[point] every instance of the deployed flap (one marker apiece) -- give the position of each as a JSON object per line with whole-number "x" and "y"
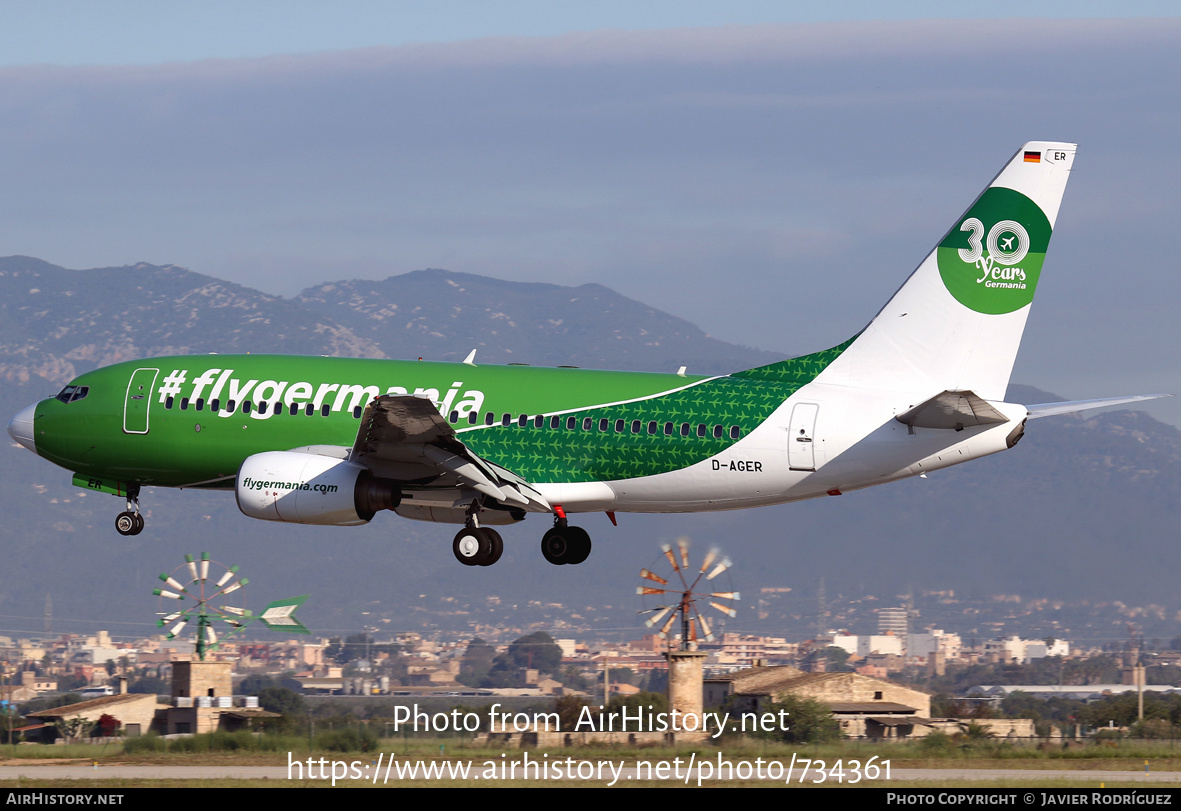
{"x": 1071, "y": 406}
{"x": 404, "y": 437}
{"x": 952, "y": 409}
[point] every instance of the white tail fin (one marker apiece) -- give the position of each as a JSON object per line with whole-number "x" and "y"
{"x": 956, "y": 324}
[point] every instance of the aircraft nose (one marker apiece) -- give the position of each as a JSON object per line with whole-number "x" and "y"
{"x": 20, "y": 428}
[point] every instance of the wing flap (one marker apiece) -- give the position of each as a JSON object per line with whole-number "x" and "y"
{"x": 406, "y": 438}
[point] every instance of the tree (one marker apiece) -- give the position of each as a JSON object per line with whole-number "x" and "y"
{"x": 476, "y": 662}
{"x": 808, "y": 721}
{"x": 537, "y": 651}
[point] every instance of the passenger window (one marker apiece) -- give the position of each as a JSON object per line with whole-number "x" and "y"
{"x": 357, "y": 412}
{"x": 453, "y": 417}
{"x": 652, "y": 427}
{"x": 522, "y": 421}
{"x": 735, "y": 432}
{"x": 506, "y": 419}
{"x": 635, "y": 426}
{"x": 555, "y": 422}
{"x": 488, "y": 418}
{"x": 325, "y": 410}
{"x": 213, "y": 404}
{"x": 619, "y": 425}
{"x": 700, "y": 430}
{"x": 262, "y": 406}
{"x": 168, "y": 402}
{"x": 231, "y": 406}
{"x": 309, "y": 409}
{"x": 294, "y": 409}
{"x": 472, "y": 417}
{"x": 603, "y": 423}
{"x": 668, "y": 429}
{"x": 571, "y": 423}
{"x": 684, "y": 429}
{"x": 245, "y": 406}
{"x": 200, "y": 403}
{"x": 587, "y": 422}
{"x": 539, "y": 422}
{"x": 184, "y": 403}
{"x": 717, "y": 432}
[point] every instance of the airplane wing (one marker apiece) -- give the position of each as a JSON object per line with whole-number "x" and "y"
{"x": 404, "y": 437}
{"x": 1069, "y": 407}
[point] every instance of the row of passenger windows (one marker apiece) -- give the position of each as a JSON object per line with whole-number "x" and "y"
{"x": 570, "y": 422}
{"x": 246, "y": 406}
{"x": 604, "y": 425}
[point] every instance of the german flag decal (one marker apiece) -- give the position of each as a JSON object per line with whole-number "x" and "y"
{"x": 1033, "y": 157}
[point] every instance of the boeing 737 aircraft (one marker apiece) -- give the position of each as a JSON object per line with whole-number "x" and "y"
{"x": 318, "y": 440}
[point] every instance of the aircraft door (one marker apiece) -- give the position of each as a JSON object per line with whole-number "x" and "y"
{"x": 139, "y": 399}
{"x": 801, "y": 450}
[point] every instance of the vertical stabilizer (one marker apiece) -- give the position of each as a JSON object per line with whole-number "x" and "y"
{"x": 956, "y": 324}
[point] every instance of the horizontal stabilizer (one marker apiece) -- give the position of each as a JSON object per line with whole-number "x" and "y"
{"x": 1069, "y": 407}
{"x": 952, "y": 409}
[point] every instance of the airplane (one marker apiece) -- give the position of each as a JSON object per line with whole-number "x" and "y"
{"x": 334, "y": 441}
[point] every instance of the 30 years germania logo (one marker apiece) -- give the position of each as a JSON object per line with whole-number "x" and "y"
{"x": 992, "y": 261}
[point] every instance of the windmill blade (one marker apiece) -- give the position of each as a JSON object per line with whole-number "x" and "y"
{"x": 709, "y": 558}
{"x": 225, "y": 578}
{"x": 212, "y": 636}
{"x": 725, "y": 609}
{"x": 655, "y": 578}
{"x": 169, "y": 594}
{"x": 178, "y": 628}
{"x": 709, "y": 634}
{"x": 726, "y": 595}
{"x": 235, "y": 586}
{"x": 667, "y": 625}
{"x": 721, "y": 567}
{"x": 192, "y": 564}
{"x": 169, "y": 580}
{"x": 650, "y": 590}
{"x": 668, "y": 553}
{"x": 683, "y": 546}
{"x": 661, "y": 613}
{"x": 204, "y": 566}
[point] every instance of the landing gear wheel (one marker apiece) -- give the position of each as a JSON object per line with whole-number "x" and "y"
{"x": 497, "y": 546}
{"x": 473, "y": 546}
{"x": 129, "y": 523}
{"x": 563, "y": 545}
{"x": 580, "y": 545}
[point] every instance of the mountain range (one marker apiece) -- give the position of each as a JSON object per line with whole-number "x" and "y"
{"x": 1083, "y": 508}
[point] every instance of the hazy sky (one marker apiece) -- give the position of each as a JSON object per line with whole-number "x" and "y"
{"x": 768, "y": 173}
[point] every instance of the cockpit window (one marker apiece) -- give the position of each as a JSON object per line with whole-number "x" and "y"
{"x": 71, "y": 393}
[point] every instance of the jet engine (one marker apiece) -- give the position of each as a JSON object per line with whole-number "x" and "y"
{"x": 306, "y": 488}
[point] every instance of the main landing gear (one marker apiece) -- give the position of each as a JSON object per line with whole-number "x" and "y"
{"x": 564, "y": 544}
{"x": 475, "y": 545}
{"x": 130, "y": 522}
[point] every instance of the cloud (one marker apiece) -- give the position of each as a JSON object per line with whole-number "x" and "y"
{"x": 772, "y": 183}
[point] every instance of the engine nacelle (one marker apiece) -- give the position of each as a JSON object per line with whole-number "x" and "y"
{"x": 305, "y": 488}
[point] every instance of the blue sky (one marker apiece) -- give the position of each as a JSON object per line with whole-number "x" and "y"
{"x": 768, "y": 175}
{"x": 78, "y": 32}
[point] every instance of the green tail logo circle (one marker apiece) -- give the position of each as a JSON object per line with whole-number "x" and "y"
{"x": 992, "y": 260}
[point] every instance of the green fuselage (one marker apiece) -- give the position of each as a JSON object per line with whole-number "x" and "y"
{"x": 152, "y": 422}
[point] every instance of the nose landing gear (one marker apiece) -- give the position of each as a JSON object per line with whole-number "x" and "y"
{"x": 130, "y": 522}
